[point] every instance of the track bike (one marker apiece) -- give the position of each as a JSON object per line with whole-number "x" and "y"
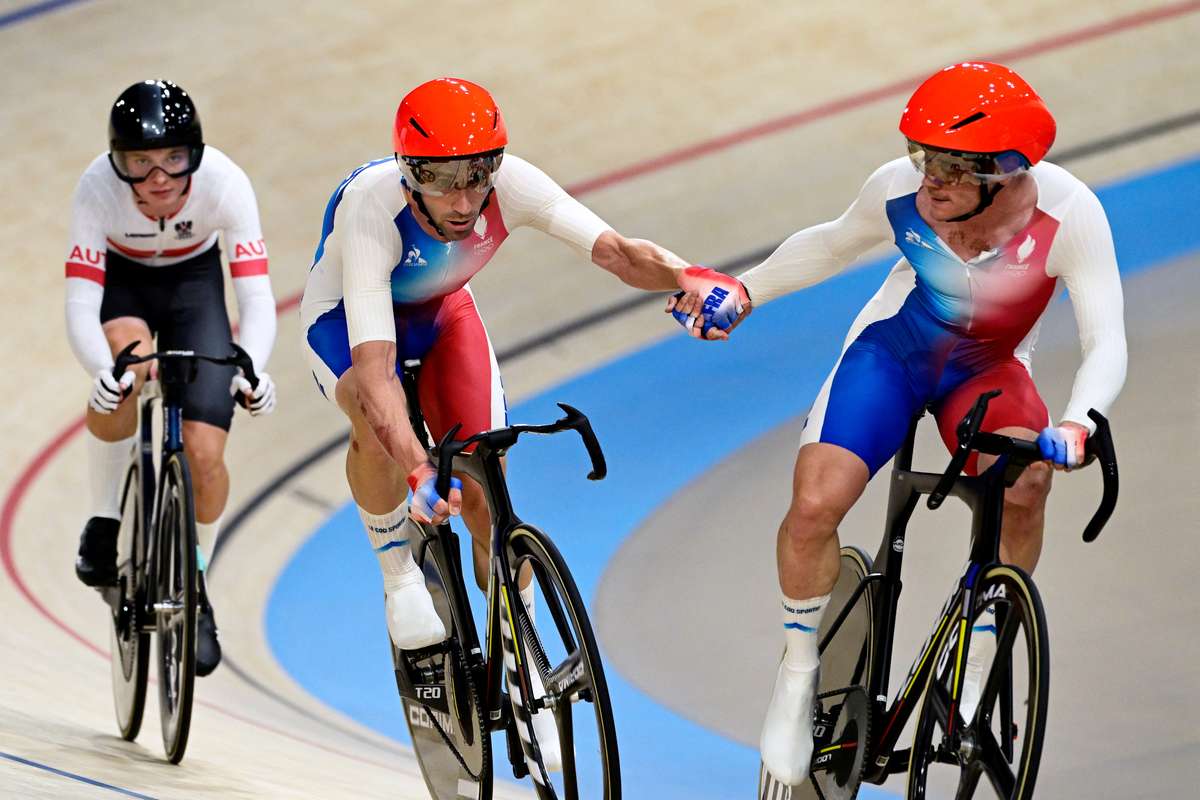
{"x": 995, "y": 741}
{"x": 159, "y": 587}
{"x": 456, "y": 693}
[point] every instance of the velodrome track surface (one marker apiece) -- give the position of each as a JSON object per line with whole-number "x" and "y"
{"x": 791, "y": 99}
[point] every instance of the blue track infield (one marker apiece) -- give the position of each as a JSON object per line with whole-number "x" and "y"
{"x": 325, "y": 616}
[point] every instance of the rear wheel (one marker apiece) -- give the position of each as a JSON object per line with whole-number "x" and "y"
{"x": 176, "y": 584}
{"x": 129, "y": 647}
{"x": 996, "y": 750}
{"x": 440, "y": 696}
{"x": 563, "y": 652}
{"x": 842, "y": 704}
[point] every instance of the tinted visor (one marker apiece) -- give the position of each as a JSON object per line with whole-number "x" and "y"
{"x": 135, "y": 166}
{"x": 441, "y": 176}
{"x": 952, "y": 168}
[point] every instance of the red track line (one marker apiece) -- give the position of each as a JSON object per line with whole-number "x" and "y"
{"x": 901, "y": 87}
{"x": 16, "y": 493}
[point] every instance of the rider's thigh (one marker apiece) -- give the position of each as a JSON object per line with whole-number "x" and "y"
{"x": 828, "y": 479}
{"x": 204, "y": 444}
{"x": 123, "y": 331}
{"x": 460, "y": 377}
{"x": 1018, "y": 407}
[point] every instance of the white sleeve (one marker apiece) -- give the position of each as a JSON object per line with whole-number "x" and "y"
{"x": 85, "y": 270}
{"x": 248, "y": 268}
{"x": 530, "y": 197}
{"x": 814, "y": 254}
{"x": 256, "y": 317}
{"x": 1083, "y": 256}
{"x": 368, "y": 256}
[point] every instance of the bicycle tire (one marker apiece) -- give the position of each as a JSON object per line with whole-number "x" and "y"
{"x": 978, "y": 750}
{"x": 175, "y": 603}
{"x": 570, "y": 668}
{"x": 845, "y": 663}
{"x": 450, "y": 736}
{"x": 129, "y": 645}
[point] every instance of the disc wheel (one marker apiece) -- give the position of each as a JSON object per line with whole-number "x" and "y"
{"x": 174, "y": 606}
{"x": 448, "y": 730}
{"x": 996, "y": 750}
{"x": 562, "y": 649}
{"x": 129, "y": 646}
{"x": 845, "y": 660}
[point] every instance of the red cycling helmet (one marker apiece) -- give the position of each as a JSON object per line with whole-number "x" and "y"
{"x": 979, "y": 107}
{"x": 448, "y": 118}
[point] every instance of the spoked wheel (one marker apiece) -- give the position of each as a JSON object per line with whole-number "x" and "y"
{"x": 129, "y": 647}
{"x": 562, "y": 649}
{"x": 174, "y": 605}
{"x": 441, "y": 700}
{"x": 993, "y": 752}
{"x": 845, "y": 659}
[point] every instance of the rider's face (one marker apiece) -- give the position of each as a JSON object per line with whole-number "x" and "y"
{"x": 947, "y": 201}
{"x": 456, "y": 211}
{"x": 159, "y": 193}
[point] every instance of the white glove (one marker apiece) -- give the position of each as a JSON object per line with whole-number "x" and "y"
{"x": 108, "y": 392}
{"x": 257, "y": 401}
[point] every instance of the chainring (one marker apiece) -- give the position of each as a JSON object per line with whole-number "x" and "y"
{"x": 837, "y": 766}
{"x": 840, "y": 742}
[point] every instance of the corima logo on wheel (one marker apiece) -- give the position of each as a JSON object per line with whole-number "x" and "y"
{"x": 569, "y": 679}
{"x": 423, "y": 717}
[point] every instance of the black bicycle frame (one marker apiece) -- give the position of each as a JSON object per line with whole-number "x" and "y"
{"x": 176, "y": 368}
{"x": 489, "y": 450}
{"x": 984, "y": 495}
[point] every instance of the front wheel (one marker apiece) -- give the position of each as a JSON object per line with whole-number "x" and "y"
{"x": 174, "y": 605}
{"x": 988, "y": 743}
{"x": 563, "y": 652}
{"x": 129, "y": 646}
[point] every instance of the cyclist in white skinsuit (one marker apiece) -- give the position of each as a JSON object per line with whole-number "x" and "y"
{"x": 988, "y": 235}
{"x": 401, "y": 238}
{"x": 144, "y": 261}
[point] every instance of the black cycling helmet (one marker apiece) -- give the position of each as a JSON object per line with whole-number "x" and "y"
{"x": 150, "y": 115}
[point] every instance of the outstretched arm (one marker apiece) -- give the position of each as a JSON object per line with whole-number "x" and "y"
{"x": 640, "y": 263}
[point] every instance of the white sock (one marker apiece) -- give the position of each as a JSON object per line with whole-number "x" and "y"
{"x": 389, "y": 539}
{"x": 801, "y": 621}
{"x": 107, "y": 462}
{"x": 206, "y": 540}
{"x": 528, "y": 600}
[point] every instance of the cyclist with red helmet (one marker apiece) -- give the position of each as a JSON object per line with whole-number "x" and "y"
{"x": 402, "y": 236}
{"x": 987, "y": 231}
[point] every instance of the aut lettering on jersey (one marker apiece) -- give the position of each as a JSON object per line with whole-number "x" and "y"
{"x": 84, "y": 262}
{"x": 249, "y": 250}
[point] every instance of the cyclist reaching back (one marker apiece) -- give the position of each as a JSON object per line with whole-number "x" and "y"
{"x": 401, "y": 238}
{"x": 988, "y": 232}
{"x": 144, "y": 261}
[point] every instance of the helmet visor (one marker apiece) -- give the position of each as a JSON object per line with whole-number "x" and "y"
{"x": 441, "y": 176}
{"x": 952, "y": 168}
{"x": 135, "y": 166}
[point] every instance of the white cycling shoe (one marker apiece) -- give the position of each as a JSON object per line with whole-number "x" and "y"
{"x": 412, "y": 620}
{"x": 545, "y": 729}
{"x": 787, "y": 736}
